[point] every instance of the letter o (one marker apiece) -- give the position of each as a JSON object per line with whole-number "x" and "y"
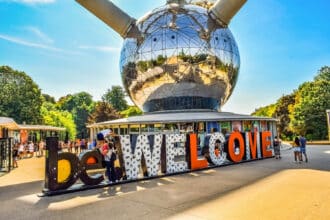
{"x": 231, "y": 147}
{"x": 217, "y": 160}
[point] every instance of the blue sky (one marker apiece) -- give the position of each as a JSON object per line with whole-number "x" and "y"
{"x": 65, "y": 49}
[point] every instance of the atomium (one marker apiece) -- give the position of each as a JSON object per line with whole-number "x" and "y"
{"x": 178, "y": 56}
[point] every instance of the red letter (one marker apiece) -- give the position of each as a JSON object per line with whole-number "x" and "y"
{"x": 265, "y": 143}
{"x": 253, "y": 144}
{"x": 231, "y": 147}
{"x": 194, "y": 161}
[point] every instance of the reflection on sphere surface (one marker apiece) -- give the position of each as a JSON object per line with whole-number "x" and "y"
{"x": 184, "y": 60}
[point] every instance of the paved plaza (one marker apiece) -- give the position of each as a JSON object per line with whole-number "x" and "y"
{"x": 265, "y": 189}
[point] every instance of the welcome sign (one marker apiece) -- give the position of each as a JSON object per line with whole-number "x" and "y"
{"x": 157, "y": 155}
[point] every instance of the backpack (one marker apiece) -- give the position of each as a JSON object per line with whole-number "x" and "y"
{"x": 102, "y": 156}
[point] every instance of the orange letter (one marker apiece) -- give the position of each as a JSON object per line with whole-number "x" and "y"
{"x": 194, "y": 162}
{"x": 253, "y": 144}
{"x": 265, "y": 143}
{"x": 231, "y": 147}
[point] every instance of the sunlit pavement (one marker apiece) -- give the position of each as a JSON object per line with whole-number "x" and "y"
{"x": 266, "y": 189}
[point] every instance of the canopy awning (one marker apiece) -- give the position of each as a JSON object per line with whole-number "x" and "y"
{"x": 177, "y": 117}
{"x": 40, "y": 128}
{"x": 8, "y": 123}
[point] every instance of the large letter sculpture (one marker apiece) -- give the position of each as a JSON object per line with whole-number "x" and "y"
{"x": 132, "y": 157}
{"x": 221, "y": 158}
{"x": 175, "y": 147}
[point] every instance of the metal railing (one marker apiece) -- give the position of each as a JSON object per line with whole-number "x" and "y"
{"x": 6, "y": 149}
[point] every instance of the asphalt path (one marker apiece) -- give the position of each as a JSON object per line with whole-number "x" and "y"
{"x": 265, "y": 189}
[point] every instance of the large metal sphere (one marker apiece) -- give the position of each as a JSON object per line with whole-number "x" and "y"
{"x": 184, "y": 60}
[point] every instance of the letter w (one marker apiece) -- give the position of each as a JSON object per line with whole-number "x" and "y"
{"x": 132, "y": 154}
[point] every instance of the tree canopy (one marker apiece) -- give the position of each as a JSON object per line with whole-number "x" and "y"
{"x": 309, "y": 113}
{"x": 103, "y": 111}
{"x": 49, "y": 98}
{"x": 52, "y": 116}
{"x": 20, "y": 96}
{"x": 80, "y": 105}
{"x": 267, "y": 111}
{"x": 116, "y": 97}
{"x": 323, "y": 74}
{"x": 283, "y": 108}
{"x": 131, "y": 111}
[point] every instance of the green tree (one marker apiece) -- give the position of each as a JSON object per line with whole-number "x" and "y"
{"x": 80, "y": 105}
{"x": 282, "y": 112}
{"x": 308, "y": 116}
{"x": 266, "y": 111}
{"x": 54, "y": 117}
{"x": 20, "y": 96}
{"x": 116, "y": 97}
{"x": 131, "y": 111}
{"x": 103, "y": 112}
{"x": 70, "y": 102}
{"x": 161, "y": 60}
{"x": 49, "y": 98}
{"x": 323, "y": 74}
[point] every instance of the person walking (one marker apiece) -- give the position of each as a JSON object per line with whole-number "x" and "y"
{"x": 21, "y": 151}
{"x": 15, "y": 156}
{"x": 41, "y": 148}
{"x": 296, "y": 150}
{"x": 70, "y": 146}
{"x": 277, "y": 147}
{"x": 302, "y": 141}
{"x": 76, "y": 146}
{"x": 31, "y": 149}
{"x": 82, "y": 145}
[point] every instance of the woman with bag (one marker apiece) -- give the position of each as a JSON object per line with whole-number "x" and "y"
{"x": 109, "y": 159}
{"x": 296, "y": 150}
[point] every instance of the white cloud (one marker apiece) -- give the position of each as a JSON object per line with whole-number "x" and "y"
{"x": 42, "y": 36}
{"x": 34, "y": 45}
{"x": 27, "y": 43}
{"x": 100, "y": 48}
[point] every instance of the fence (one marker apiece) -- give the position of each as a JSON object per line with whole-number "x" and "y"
{"x": 6, "y": 148}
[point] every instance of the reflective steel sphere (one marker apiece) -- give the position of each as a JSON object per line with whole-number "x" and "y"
{"x": 184, "y": 60}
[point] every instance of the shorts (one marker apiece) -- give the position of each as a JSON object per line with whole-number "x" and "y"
{"x": 303, "y": 150}
{"x": 296, "y": 149}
